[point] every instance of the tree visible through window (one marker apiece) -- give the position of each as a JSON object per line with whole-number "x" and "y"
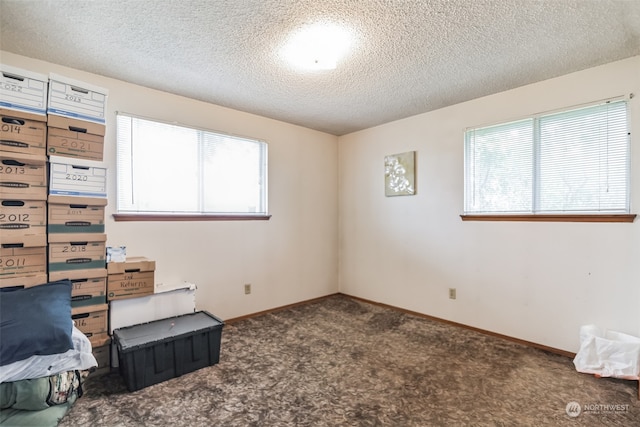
{"x": 170, "y": 169}
{"x": 574, "y": 161}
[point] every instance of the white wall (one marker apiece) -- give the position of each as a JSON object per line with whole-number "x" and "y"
{"x": 533, "y": 281}
{"x": 290, "y": 258}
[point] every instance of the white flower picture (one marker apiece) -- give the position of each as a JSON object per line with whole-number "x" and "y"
{"x": 399, "y": 174}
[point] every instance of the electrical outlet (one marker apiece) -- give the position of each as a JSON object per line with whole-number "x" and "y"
{"x": 247, "y": 288}
{"x": 452, "y": 293}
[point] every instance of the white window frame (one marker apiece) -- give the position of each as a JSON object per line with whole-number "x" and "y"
{"x": 203, "y": 145}
{"x": 534, "y": 213}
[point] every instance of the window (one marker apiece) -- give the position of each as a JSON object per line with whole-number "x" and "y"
{"x": 571, "y": 162}
{"x": 175, "y": 170}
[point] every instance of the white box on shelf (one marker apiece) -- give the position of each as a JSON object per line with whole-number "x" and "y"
{"x": 77, "y": 177}
{"x": 76, "y": 99}
{"x": 23, "y": 90}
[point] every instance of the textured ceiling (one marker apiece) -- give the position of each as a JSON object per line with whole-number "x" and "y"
{"x": 407, "y": 57}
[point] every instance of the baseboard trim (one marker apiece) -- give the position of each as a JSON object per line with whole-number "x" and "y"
{"x": 413, "y": 313}
{"x": 472, "y": 328}
{"x": 276, "y": 309}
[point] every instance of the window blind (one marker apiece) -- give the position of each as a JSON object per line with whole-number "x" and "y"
{"x": 166, "y": 168}
{"x": 574, "y": 161}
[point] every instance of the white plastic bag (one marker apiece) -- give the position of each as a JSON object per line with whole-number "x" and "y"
{"x": 608, "y": 354}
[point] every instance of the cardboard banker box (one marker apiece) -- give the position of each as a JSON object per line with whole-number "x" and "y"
{"x": 102, "y": 355}
{"x": 84, "y": 178}
{"x": 76, "y": 99}
{"x": 23, "y": 176}
{"x": 22, "y": 218}
{"x": 91, "y": 320}
{"x": 130, "y": 279}
{"x": 75, "y": 138}
{"x": 19, "y": 133}
{"x": 76, "y": 251}
{"x": 23, "y": 259}
{"x": 89, "y": 286}
{"x": 71, "y": 214}
{"x": 23, "y": 90}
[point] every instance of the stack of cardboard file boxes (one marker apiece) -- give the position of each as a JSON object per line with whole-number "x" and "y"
{"x": 53, "y": 192}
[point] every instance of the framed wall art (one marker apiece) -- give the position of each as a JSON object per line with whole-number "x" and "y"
{"x": 399, "y": 174}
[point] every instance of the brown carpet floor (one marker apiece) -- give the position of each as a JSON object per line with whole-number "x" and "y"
{"x": 343, "y": 362}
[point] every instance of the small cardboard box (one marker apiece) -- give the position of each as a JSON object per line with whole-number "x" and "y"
{"x": 75, "y": 138}
{"x": 76, "y": 99}
{"x": 91, "y": 320}
{"x": 71, "y": 214}
{"x": 130, "y": 279}
{"x": 22, "y": 218}
{"x": 23, "y": 90}
{"x": 77, "y": 177}
{"x": 89, "y": 286}
{"x": 23, "y": 176}
{"x": 23, "y": 281}
{"x": 103, "y": 357}
{"x": 19, "y": 133}
{"x": 76, "y": 251}
{"x": 99, "y": 340}
{"x": 23, "y": 259}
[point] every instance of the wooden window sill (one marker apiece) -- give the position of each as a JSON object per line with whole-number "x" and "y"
{"x": 553, "y": 218}
{"x": 188, "y": 217}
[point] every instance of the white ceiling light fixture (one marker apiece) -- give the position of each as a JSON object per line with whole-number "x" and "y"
{"x": 317, "y": 47}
